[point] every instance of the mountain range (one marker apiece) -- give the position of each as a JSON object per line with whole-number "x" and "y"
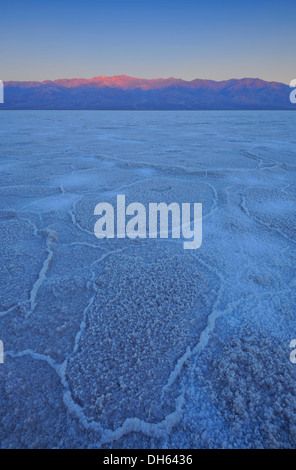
{"x": 127, "y": 93}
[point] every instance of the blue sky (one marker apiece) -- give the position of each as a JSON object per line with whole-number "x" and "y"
{"x": 184, "y": 39}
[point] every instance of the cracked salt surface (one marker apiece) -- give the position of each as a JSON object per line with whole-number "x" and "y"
{"x": 128, "y": 343}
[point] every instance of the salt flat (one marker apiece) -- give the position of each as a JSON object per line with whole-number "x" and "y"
{"x": 125, "y": 343}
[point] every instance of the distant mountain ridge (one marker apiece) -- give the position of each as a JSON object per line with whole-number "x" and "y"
{"x": 123, "y": 92}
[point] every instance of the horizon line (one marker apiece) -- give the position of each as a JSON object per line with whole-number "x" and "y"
{"x": 147, "y": 79}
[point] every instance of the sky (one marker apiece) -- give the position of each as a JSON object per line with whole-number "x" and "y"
{"x": 186, "y": 39}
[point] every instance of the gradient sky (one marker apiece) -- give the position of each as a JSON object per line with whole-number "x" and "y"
{"x": 183, "y": 39}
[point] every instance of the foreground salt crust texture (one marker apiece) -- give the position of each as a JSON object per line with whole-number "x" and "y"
{"x": 121, "y": 343}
